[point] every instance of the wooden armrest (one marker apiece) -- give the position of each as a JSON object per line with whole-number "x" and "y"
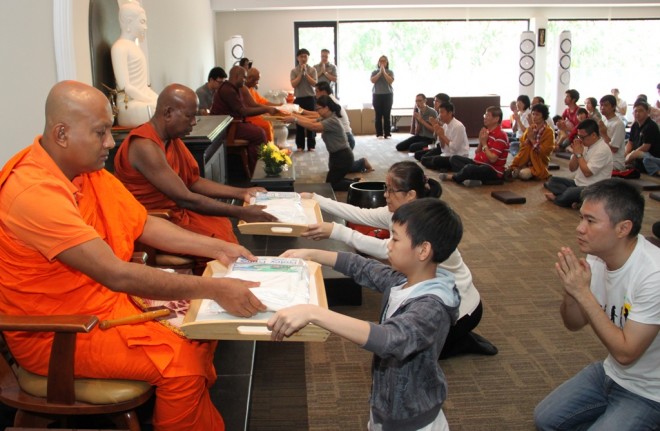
{"x": 67, "y": 324}
{"x": 60, "y": 387}
{"x": 140, "y": 257}
{"x": 166, "y": 214}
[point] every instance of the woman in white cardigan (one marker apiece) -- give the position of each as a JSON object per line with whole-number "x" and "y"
{"x": 405, "y": 182}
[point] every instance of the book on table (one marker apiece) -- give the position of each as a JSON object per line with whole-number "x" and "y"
{"x": 284, "y": 282}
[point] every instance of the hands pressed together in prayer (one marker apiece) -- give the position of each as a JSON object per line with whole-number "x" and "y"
{"x": 574, "y": 273}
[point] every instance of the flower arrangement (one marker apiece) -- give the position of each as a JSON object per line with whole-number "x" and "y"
{"x": 275, "y": 159}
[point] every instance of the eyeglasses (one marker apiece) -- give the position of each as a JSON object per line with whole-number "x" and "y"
{"x": 388, "y": 190}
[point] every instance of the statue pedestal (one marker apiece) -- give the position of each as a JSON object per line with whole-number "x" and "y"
{"x": 280, "y": 133}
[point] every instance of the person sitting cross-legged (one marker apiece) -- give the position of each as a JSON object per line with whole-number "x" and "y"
{"x": 614, "y": 290}
{"x": 536, "y": 145}
{"x": 452, "y": 140}
{"x": 421, "y": 128}
{"x": 591, "y": 161}
{"x": 490, "y": 158}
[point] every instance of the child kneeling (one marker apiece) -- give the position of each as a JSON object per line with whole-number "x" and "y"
{"x": 420, "y": 303}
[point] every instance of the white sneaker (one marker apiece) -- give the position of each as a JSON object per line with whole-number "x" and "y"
{"x": 472, "y": 183}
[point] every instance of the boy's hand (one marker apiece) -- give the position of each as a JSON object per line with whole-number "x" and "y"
{"x": 290, "y": 320}
{"x": 318, "y": 231}
{"x": 298, "y": 253}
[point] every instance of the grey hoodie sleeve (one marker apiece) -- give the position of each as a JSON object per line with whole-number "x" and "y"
{"x": 368, "y": 272}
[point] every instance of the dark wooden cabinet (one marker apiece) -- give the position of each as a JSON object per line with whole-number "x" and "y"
{"x": 204, "y": 142}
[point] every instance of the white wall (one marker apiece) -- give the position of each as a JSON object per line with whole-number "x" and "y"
{"x": 181, "y": 49}
{"x": 268, "y": 35}
{"x": 27, "y": 72}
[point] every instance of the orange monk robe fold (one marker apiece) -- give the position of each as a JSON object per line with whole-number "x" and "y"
{"x": 258, "y": 120}
{"x": 185, "y": 166}
{"x": 42, "y": 214}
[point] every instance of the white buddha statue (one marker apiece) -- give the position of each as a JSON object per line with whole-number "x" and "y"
{"x": 136, "y": 101}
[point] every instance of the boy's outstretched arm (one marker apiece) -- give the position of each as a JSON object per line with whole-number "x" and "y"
{"x": 323, "y": 257}
{"x": 289, "y": 320}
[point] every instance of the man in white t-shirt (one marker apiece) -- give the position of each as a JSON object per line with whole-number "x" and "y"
{"x": 615, "y": 290}
{"x": 591, "y": 161}
{"x": 613, "y": 131}
{"x": 452, "y": 140}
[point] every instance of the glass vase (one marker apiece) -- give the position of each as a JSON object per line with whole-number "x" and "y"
{"x": 272, "y": 170}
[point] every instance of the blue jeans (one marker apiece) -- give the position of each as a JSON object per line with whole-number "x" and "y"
{"x": 565, "y": 191}
{"x": 651, "y": 164}
{"x": 593, "y": 401}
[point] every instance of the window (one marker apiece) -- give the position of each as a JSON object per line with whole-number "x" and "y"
{"x": 461, "y": 58}
{"x": 607, "y": 54}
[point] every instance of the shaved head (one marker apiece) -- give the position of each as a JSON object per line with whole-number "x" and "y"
{"x": 175, "y": 96}
{"x": 237, "y": 76}
{"x": 68, "y": 100}
{"x": 253, "y": 76}
{"x": 78, "y": 127}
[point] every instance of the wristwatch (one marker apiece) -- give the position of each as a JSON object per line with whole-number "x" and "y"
{"x": 578, "y": 156}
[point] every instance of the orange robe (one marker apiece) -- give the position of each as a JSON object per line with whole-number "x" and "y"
{"x": 185, "y": 166}
{"x": 42, "y": 214}
{"x": 537, "y": 161}
{"x": 258, "y": 120}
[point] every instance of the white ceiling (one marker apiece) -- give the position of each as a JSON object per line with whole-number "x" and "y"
{"x": 263, "y": 5}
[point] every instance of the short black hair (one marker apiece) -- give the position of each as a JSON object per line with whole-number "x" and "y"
{"x": 573, "y": 94}
{"x": 610, "y": 99}
{"x": 583, "y": 111}
{"x": 541, "y": 99}
{"x": 302, "y": 51}
{"x": 447, "y": 106}
{"x": 622, "y": 200}
{"x": 643, "y": 103}
{"x": 217, "y": 72}
{"x": 443, "y": 97}
{"x": 525, "y": 100}
{"x": 324, "y": 86}
{"x": 542, "y": 109}
{"x": 433, "y": 221}
{"x": 495, "y": 111}
{"x": 590, "y": 126}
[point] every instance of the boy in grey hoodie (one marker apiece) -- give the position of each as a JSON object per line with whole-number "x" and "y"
{"x": 420, "y": 303}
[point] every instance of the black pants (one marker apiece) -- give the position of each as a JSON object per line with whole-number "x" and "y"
{"x": 308, "y": 103}
{"x": 433, "y": 159}
{"x": 414, "y": 143}
{"x": 339, "y": 165}
{"x": 458, "y": 340}
{"x": 467, "y": 169}
{"x": 383, "y": 109}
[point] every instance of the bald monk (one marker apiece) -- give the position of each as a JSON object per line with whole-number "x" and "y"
{"x": 66, "y": 238}
{"x": 155, "y": 165}
{"x": 228, "y": 100}
{"x": 252, "y": 98}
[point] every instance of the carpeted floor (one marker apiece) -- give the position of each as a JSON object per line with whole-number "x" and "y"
{"x": 511, "y": 251}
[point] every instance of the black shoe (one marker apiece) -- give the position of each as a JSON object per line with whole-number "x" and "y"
{"x": 481, "y": 346}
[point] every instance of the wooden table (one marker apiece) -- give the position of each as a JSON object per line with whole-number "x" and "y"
{"x": 281, "y": 183}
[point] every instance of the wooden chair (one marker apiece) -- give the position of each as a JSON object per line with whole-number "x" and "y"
{"x": 238, "y": 147}
{"x": 42, "y": 400}
{"x": 157, "y": 258}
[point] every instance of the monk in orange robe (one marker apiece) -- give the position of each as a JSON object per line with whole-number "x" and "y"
{"x": 155, "y": 165}
{"x": 253, "y": 98}
{"x": 66, "y": 239}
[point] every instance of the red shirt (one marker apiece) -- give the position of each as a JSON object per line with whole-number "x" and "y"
{"x": 498, "y": 143}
